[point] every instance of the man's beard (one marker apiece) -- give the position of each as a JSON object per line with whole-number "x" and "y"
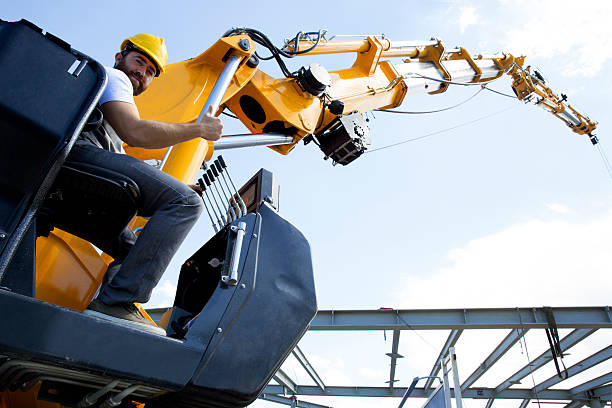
{"x": 121, "y": 66}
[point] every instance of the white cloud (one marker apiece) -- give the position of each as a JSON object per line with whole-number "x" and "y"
{"x": 532, "y": 264}
{"x": 558, "y": 208}
{"x": 467, "y": 17}
{"x": 580, "y": 32}
{"x": 331, "y": 371}
{"x": 373, "y": 374}
{"x": 162, "y": 296}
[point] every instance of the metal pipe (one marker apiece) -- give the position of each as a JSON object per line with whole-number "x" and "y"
{"x": 232, "y": 279}
{"x": 216, "y": 95}
{"x": 218, "y": 91}
{"x": 252, "y": 139}
{"x": 165, "y": 159}
{"x": 570, "y": 118}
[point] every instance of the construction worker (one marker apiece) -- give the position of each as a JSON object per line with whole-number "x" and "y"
{"x": 172, "y": 207}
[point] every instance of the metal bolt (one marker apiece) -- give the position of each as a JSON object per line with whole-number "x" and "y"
{"x": 219, "y": 330}
{"x": 244, "y": 44}
{"x": 254, "y": 235}
{"x": 2, "y": 235}
{"x": 253, "y": 61}
{"x": 242, "y": 285}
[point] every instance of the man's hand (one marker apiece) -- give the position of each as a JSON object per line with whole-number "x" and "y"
{"x": 151, "y": 134}
{"x": 211, "y": 126}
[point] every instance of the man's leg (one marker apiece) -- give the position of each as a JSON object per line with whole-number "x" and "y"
{"x": 173, "y": 208}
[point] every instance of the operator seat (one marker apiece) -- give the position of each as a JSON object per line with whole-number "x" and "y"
{"x": 86, "y": 200}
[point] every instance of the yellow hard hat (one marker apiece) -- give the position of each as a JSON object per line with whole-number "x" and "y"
{"x": 152, "y": 45}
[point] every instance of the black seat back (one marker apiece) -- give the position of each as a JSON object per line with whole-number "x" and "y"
{"x": 90, "y": 202}
{"x": 47, "y": 91}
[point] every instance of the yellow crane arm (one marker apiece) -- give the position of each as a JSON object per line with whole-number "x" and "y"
{"x": 314, "y": 104}
{"x": 531, "y": 87}
{"x": 527, "y": 86}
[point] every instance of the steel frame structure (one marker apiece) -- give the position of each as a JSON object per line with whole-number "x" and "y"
{"x": 583, "y": 320}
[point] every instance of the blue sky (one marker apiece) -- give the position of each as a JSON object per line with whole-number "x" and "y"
{"x": 511, "y": 210}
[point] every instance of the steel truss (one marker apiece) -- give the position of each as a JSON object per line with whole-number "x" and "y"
{"x": 583, "y": 320}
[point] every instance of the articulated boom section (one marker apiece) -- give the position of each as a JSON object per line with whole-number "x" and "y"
{"x": 315, "y": 104}
{"x": 310, "y": 103}
{"x": 531, "y": 87}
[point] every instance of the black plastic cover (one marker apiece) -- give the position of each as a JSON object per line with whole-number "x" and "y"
{"x": 47, "y": 91}
{"x": 233, "y": 346}
{"x": 248, "y": 329}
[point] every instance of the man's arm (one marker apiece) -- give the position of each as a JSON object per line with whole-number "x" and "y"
{"x": 151, "y": 134}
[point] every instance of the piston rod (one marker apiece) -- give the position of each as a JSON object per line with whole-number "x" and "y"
{"x": 252, "y": 139}
{"x": 216, "y": 95}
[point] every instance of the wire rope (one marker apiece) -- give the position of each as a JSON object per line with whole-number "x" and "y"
{"x": 437, "y": 132}
{"x": 432, "y": 111}
{"x": 604, "y": 158}
{"x": 446, "y": 81}
{"x": 414, "y": 331}
{"x": 500, "y": 93}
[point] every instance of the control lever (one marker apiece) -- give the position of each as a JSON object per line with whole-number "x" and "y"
{"x": 233, "y": 202}
{"x": 227, "y": 197}
{"x": 222, "y": 162}
{"x": 205, "y": 194}
{"x": 211, "y": 176}
{"x": 208, "y": 182}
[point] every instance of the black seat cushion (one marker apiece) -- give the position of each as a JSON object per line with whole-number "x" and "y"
{"x": 90, "y": 202}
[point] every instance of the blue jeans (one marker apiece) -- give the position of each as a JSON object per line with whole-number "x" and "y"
{"x": 173, "y": 208}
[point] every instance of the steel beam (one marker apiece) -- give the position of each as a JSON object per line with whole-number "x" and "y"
{"x": 594, "y": 403}
{"x": 524, "y": 403}
{"x": 579, "y": 367}
{"x": 394, "y": 356}
{"x": 301, "y": 358}
{"x": 284, "y": 380}
{"x": 566, "y": 343}
{"x": 594, "y": 383}
{"x": 452, "y": 319}
{"x": 434, "y": 319}
{"x": 509, "y": 341}
{"x": 476, "y": 393}
{"x": 451, "y": 340}
{"x": 290, "y": 401}
{"x": 602, "y": 392}
{"x": 489, "y": 403}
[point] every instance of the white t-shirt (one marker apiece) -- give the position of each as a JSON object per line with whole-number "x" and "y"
{"x": 119, "y": 88}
